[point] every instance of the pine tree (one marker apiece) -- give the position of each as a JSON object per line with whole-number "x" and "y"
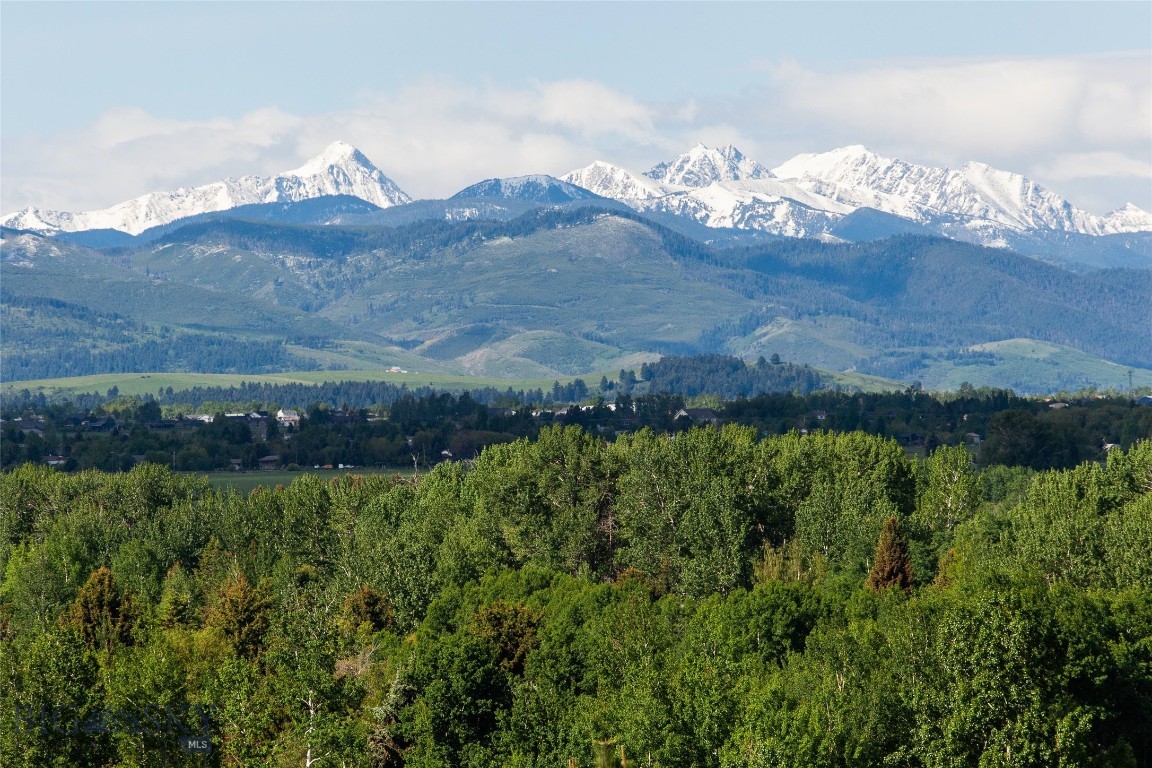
{"x": 891, "y": 566}
{"x": 102, "y": 616}
{"x": 241, "y": 613}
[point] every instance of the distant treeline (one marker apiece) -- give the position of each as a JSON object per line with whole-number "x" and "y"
{"x": 179, "y": 353}
{"x": 726, "y": 377}
{"x": 997, "y": 426}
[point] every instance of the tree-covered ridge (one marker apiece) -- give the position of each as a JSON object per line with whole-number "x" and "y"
{"x": 691, "y": 599}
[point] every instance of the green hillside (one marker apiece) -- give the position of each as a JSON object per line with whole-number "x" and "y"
{"x": 1027, "y": 365}
{"x": 559, "y": 293}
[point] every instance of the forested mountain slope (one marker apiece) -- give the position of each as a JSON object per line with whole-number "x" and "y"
{"x": 571, "y": 290}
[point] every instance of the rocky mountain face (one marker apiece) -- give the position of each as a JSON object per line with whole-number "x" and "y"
{"x": 701, "y": 166}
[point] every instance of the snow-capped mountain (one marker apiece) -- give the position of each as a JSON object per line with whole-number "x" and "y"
{"x": 612, "y": 181}
{"x": 701, "y": 166}
{"x": 340, "y": 169}
{"x": 807, "y": 195}
{"x": 1128, "y": 219}
{"x": 860, "y": 177}
{"x": 538, "y": 188}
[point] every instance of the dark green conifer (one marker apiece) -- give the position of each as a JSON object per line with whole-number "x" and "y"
{"x": 891, "y": 566}
{"x": 102, "y": 616}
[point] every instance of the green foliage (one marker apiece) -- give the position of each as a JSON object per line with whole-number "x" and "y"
{"x": 687, "y": 507}
{"x": 240, "y": 613}
{"x": 835, "y": 491}
{"x": 695, "y": 599}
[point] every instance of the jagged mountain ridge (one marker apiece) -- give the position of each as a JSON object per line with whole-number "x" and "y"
{"x": 701, "y": 166}
{"x": 340, "y": 169}
{"x": 808, "y": 195}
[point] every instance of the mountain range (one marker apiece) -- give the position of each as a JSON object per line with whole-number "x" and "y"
{"x": 808, "y": 196}
{"x": 844, "y": 260}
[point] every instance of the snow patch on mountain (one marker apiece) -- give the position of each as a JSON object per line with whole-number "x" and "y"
{"x": 612, "y": 181}
{"x": 340, "y": 169}
{"x": 750, "y": 205}
{"x": 537, "y": 188}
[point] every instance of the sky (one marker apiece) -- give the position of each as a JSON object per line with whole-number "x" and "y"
{"x": 101, "y": 102}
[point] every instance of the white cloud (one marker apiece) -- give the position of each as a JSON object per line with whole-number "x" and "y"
{"x": 1089, "y": 165}
{"x": 1056, "y": 119}
{"x": 1002, "y": 106}
{"x": 432, "y": 138}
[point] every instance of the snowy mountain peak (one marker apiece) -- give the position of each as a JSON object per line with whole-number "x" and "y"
{"x": 336, "y": 154}
{"x": 702, "y": 165}
{"x": 618, "y": 183}
{"x": 1128, "y": 219}
{"x": 340, "y": 169}
{"x": 831, "y": 165}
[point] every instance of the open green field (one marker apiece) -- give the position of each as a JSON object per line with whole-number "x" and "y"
{"x": 152, "y": 383}
{"x": 1036, "y": 367}
{"x": 145, "y": 383}
{"x": 246, "y": 482}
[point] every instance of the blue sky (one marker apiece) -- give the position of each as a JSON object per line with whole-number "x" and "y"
{"x": 102, "y": 101}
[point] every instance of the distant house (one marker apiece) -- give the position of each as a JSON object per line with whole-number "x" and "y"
{"x": 820, "y": 415}
{"x": 698, "y": 415}
{"x": 1058, "y": 406}
{"x": 33, "y": 425}
{"x": 972, "y": 438}
{"x": 55, "y": 461}
{"x": 269, "y": 462}
{"x": 288, "y": 417}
